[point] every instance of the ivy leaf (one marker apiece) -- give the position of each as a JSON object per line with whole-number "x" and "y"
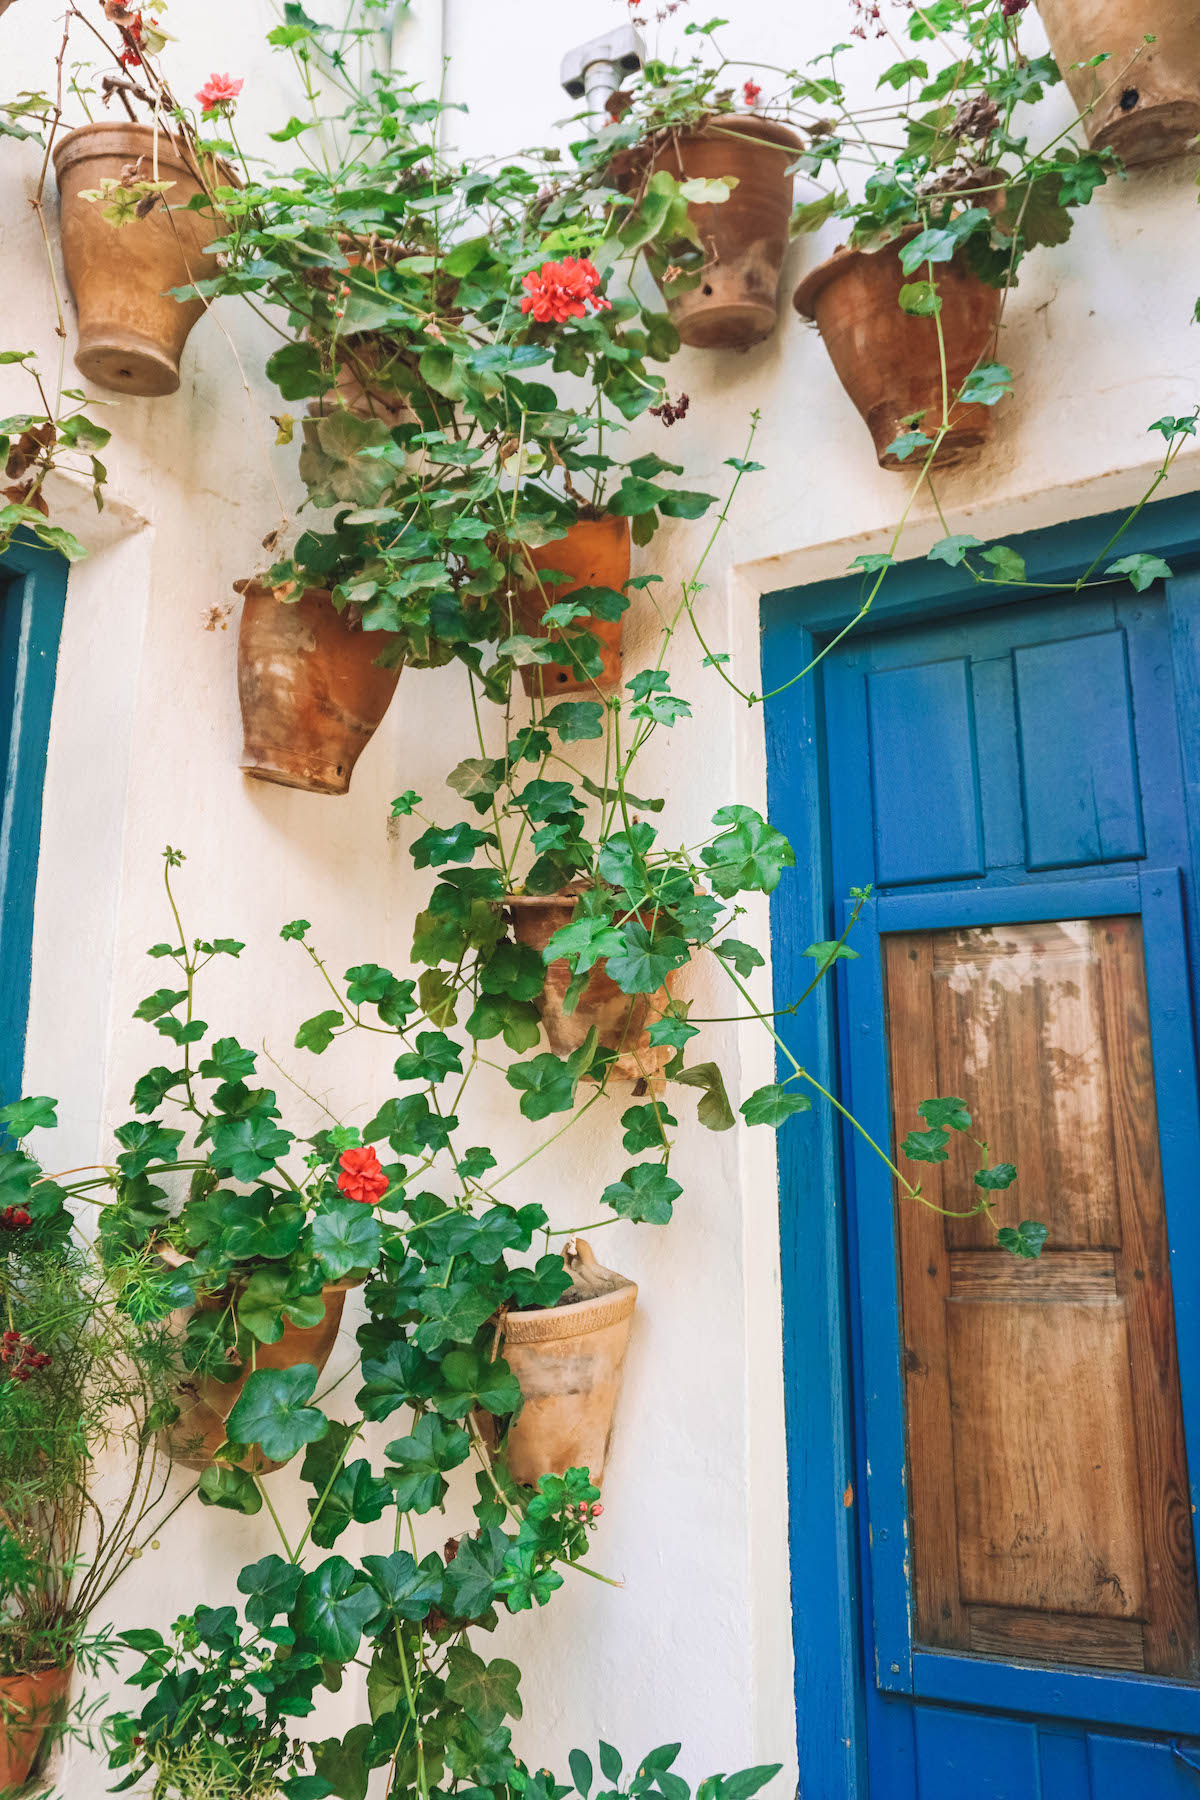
{"x": 545, "y": 1083}
{"x": 468, "y": 1378}
{"x": 351, "y": 1496}
{"x": 497, "y": 1014}
{"x": 316, "y": 1034}
{"x": 830, "y": 950}
{"x": 714, "y": 1110}
{"x": 152, "y": 1088}
{"x": 248, "y": 1147}
{"x": 773, "y": 1105}
{"x": 472, "y": 1576}
{"x": 748, "y": 858}
{"x": 144, "y": 1141}
{"x": 1009, "y": 566}
{"x": 986, "y": 385}
{"x": 645, "y": 1193}
{"x": 872, "y": 561}
{"x": 644, "y": 1127}
{"x": 576, "y": 720}
{"x": 162, "y": 1000}
{"x": 294, "y": 932}
{"x": 952, "y": 550}
{"x": 345, "y": 1237}
{"x": 645, "y": 961}
{"x": 927, "y": 1146}
{"x": 1025, "y": 1240}
{"x": 1142, "y": 569}
{"x": 421, "y": 1459}
{"x": 271, "y": 1586}
{"x": 397, "y": 1377}
{"x": 452, "y": 1314}
{"x": 271, "y": 1411}
{"x": 435, "y": 1057}
{"x": 452, "y": 844}
{"x": 407, "y": 1588}
{"x": 487, "y": 1692}
{"x": 744, "y": 957}
{"x": 902, "y": 448}
{"x": 1002, "y": 1176}
{"x": 951, "y": 1114}
{"x": 33, "y": 1114}
{"x": 513, "y": 969}
{"x": 333, "y": 1607}
{"x": 234, "y": 1489}
{"x": 227, "y": 1061}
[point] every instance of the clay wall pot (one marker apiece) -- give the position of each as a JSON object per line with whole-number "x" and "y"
{"x": 131, "y": 331}
{"x": 205, "y": 1403}
{"x": 311, "y": 691}
{"x": 1151, "y": 109}
{"x": 622, "y": 1021}
{"x": 594, "y": 553}
{"x": 569, "y": 1361}
{"x": 887, "y": 360}
{"x": 28, "y": 1705}
{"x": 745, "y": 237}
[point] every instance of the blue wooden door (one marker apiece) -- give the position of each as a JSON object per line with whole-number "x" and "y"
{"x": 1011, "y": 785}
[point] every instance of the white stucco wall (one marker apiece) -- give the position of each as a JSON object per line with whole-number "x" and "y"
{"x": 144, "y": 751}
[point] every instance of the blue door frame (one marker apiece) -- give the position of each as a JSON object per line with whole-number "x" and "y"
{"x": 33, "y": 590}
{"x": 833, "y": 1602}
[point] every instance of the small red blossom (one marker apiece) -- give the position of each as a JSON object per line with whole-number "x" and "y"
{"x": 751, "y": 93}
{"x": 362, "y": 1178}
{"x": 1011, "y": 8}
{"x": 20, "y": 1357}
{"x": 15, "y": 1218}
{"x": 558, "y": 291}
{"x": 219, "y": 93}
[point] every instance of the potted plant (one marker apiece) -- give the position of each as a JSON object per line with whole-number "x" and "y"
{"x": 1133, "y": 71}
{"x": 593, "y": 555}
{"x": 910, "y": 308}
{"x": 314, "y": 682}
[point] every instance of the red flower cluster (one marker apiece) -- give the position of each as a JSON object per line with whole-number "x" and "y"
{"x": 15, "y": 1218}
{"x": 219, "y": 93}
{"x": 587, "y": 1512}
{"x": 20, "y": 1357}
{"x": 671, "y": 411}
{"x": 751, "y": 93}
{"x": 557, "y": 291}
{"x": 1011, "y": 8}
{"x": 362, "y": 1178}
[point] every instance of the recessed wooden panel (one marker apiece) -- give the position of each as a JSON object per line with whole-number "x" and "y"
{"x": 1047, "y": 1472}
{"x": 1078, "y": 762}
{"x": 923, "y": 776}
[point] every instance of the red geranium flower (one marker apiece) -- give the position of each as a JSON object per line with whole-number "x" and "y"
{"x": 557, "y": 291}
{"x": 751, "y": 93}
{"x": 362, "y": 1178}
{"x": 219, "y": 93}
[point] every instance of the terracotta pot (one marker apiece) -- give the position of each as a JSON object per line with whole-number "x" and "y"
{"x": 594, "y": 553}
{"x": 888, "y": 361}
{"x": 745, "y": 237}
{"x": 622, "y": 1021}
{"x": 131, "y": 332}
{"x": 1152, "y": 105}
{"x": 28, "y": 1704}
{"x": 311, "y": 690}
{"x": 206, "y": 1403}
{"x": 569, "y": 1361}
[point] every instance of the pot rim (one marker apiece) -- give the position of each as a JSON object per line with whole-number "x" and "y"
{"x": 752, "y": 125}
{"x": 44, "y": 1674}
{"x": 99, "y": 138}
{"x": 819, "y": 278}
{"x": 578, "y": 1320}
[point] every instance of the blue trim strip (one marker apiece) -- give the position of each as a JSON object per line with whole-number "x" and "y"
{"x": 38, "y": 598}
{"x": 1095, "y": 896}
{"x": 1140, "y": 1702}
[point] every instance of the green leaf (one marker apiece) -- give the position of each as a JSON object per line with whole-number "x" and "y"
{"x": 161, "y": 1001}
{"x": 714, "y": 1110}
{"x": 610, "y": 1762}
{"x": 1002, "y": 1176}
{"x": 270, "y": 1586}
{"x": 901, "y": 447}
{"x": 271, "y": 1411}
{"x": 952, "y": 550}
{"x": 921, "y": 299}
{"x": 744, "y": 957}
{"x": 645, "y": 960}
{"x": 421, "y": 1459}
{"x": 296, "y": 930}
{"x": 1009, "y": 566}
{"x": 468, "y": 1378}
{"x": 750, "y": 857}
{"x": 576, "y": 720}
{"x": 334, "y": 1605}
{"x": 407, "y": 1588}
{"x": 986, "y": 385}
{"x": 227, "y": 1061}
{"x": 316, "y": 1034}
{"x": 645, "y": 1193}
{"x": 581, "y": 1772}
{"x": 248, "y": 1147}
{"x": 1142, "y": 569}
{"x": 345, "y": 1239}
{"x": 1026, "y": 1240}
{"x": 812, "y": 214}
{"x": 234, "y": 1489}
{"x": 927, "y": 1146}
{"x": 435, "y": 1057}
{"x": 872, "y": 561}
{"x": 454, "y": 844}
{"x": 644, "y": 1127}
{"x": 830, "y": 950}
{"x": 951, "y": 1114}
{"x": 487, "y": 1692}
{"x": 545, "y": 1083}
{"x": 773, "y": 1105}
{"x": 33, "y": 1114}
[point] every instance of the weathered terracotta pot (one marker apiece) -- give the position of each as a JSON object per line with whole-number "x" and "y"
{"x": 594, "y": 553}
{"x": 745, "y": 237}
{"x": 622, "y": 1021}
{"x": 205, "y": 1403}
{"x": 131, "y": 331}
{"x": 311, "y": 690}
{"x": 569, "y": 1361}
{"x": 1151, "y": 108}
{"x": 888, "y": 361}
{"x": 28, "y": 1704}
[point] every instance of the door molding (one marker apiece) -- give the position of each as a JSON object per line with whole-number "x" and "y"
{"x": 832, "y": 1604}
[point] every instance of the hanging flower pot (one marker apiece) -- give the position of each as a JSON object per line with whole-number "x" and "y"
{"x": 28, "y": 1704}
{"x": 888, "y": 360}
{"x": 569, "y": 1360}
{"x": 131, "y": 330}
{"x": 206, "y": 1403}
{"x": 594, "y": 553}
{"x": 359, "y": 356}
{"x": 744, "y": 237}
{"x": 1145, "y": 96}
{"x": 311, "y": 689}
{"x": 622, "y": 1021}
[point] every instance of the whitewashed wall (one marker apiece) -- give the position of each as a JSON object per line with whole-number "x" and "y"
{"x": 144, "y": 751}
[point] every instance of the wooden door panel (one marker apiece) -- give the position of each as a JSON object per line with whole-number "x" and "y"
{"x": 1050, "y": 1515}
